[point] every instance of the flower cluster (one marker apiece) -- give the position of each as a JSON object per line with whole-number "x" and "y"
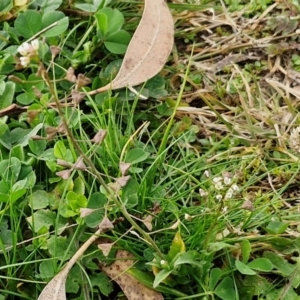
{"x": 294, "y": 139}
{"x": 225, "y": 184}
{"x": 28, "y": 50}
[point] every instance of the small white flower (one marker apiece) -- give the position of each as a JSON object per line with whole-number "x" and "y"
{"x": 217, "y": 179}
{"x": 24, "y": 60}
{"x": 227, "y": 180}
{"x": 229, "y": 193}
{"x": 219, "y": 186}
{"x": 206, "y": 173}
{"x": 235, "y": 188}
{"x": 224, "y": 210}
{"x": 163, "y": 262}
{"x": 24, "y": 49}
{"x": 35, "y": 44}
{"x": 202, "y": 193}
{"x": 219, "y": 197}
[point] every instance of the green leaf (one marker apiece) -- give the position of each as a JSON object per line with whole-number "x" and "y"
{"x": 5, "y": 6}
{"x": 6, "y": 98}
{"x": 48, "y": 5}
{"x": 39, "y": 199}
{"x": 214, "y": 247}
{"x": 161, "y": 276}
{"x": 177, "y": 246}
{"x": 243, "y": 268}
{"x": 276, "y": 227}
{"x": 137, "y": 155}
{"x": 25, "y": 98}
{"x": 79, "y": 187}
{"x": 117, "y": 42}
{"x": 60, "y": 150}
{"x": 18, "y": 152}
{"x": 28, "y": 23}
{"x": 282, "y": 265}
{"x": 215, "y": 276}
{"x": 6, "y": 238}
{"x": 37, "y": 147}
{"x": 108, "y": 21}
{"x": 189, "y": 257}
{"x": 130, "y": 193}
{"x": 41, "y": 218}
{"x": 94, "y": 6}
{"x": 246, "y": 250}
{"x": 57, "y": 246}
{"x": 97, "y": 201}
{"x": 261, "y": 264}
{"x": 225, "y": 290}
{"x": 10, "y": 169}
{"x": 103, "y": 282}
{"x": 47, "y": 269}
{"x": 55, "y": 16}
{"x": 23, "y": 141}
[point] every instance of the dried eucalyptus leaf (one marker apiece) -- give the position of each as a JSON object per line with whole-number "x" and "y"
{"x": 148, "y": 49}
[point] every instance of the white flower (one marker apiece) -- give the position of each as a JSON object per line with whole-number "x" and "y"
{"x": 235, "y": 188}
{"x": 224, "y": 210}
{"x": 25, "y": 60}
{"x": 219, "y": 186}
{"x": 229, "y": 193}
{"x": 294, "y": 139}
{"x": 35, "y": 44}
{"x": 206, "y": 173}
{"x": 219, "y": 197}
{"x": 163, "y": 262}
{"x": 217, "y": 179}
{"x": 202, "y": 193}
{"x": 227, "y": 180}
{"x": 24, "y": 49}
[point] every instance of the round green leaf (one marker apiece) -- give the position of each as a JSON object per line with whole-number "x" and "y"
{"x": 137, "y": 155}
{"x": 117, "y": 42}
{"x": 243, "y": 268}
{"x": 261, "y": 264}
{"x": 225, "y": 290}
{"x": 55, "y": 16}
{"x": 28, "y": 23}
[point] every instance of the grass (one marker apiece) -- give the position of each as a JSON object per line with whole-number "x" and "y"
{"x": 211, "y": 209}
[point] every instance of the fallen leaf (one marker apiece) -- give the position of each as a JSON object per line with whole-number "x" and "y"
{"x": 148, "y": 49}
{"x": 55, "y": 289}
{"x": 132, "y": 288}
{"x": 13, "y": 109}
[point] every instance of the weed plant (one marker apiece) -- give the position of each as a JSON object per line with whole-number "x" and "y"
{"x": 199, "y": 181}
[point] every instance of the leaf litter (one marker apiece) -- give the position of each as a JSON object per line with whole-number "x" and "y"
{"x": 131, "y": 287}
{"x": 148, "y": 49}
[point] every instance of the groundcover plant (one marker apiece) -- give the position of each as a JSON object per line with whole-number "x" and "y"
{"x": 149, "y": 149}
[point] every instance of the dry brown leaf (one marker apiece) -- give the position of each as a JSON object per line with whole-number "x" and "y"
{"x": 148, "y": 49}
{"x": 132, "y": 288}
{"x": 55, "y": 289}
